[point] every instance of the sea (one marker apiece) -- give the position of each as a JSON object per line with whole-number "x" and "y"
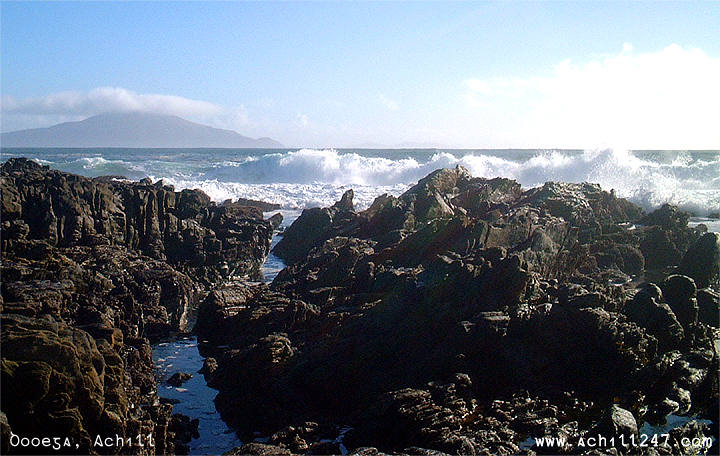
{"x": 302, "y": 178}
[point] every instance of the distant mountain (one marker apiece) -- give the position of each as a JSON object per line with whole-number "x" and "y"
{"x": 132, "y": 129}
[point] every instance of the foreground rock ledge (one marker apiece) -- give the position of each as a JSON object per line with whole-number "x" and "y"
{"x": 467, "y": 315}
{"x": 92, "y": 271}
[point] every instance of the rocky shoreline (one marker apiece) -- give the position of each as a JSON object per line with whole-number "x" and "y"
{"x": 93, "y": 271}
{"x": 462, "y": 317}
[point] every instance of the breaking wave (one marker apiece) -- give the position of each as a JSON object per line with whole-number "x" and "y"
{"x": 311, "y": 177}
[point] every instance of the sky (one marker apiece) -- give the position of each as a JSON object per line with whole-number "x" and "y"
{"x": 541, "y": 74}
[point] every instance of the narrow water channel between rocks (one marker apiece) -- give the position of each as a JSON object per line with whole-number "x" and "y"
{"x": 194, "y": 398}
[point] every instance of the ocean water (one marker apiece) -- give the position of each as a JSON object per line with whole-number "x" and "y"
{"x": 300, "y": 178}
{"x": 273, "y": 264}
{"x": 194, "y": 398}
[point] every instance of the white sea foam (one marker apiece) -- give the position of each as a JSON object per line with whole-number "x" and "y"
{"x": 289, "y": 196}
{"x": 309, "y": 177}
{"x": 318, "y": 177}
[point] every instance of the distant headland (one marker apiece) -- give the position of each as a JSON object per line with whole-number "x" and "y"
{"x": 133, "y": 129}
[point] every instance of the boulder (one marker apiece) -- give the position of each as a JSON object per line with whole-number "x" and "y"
{"x": 276, "y": 220}
{"x": 561, "y": 348}
{"x": 679, "y": 293}
{"x": 667, "y": 216}
{"x": 708, "y": 307}
{"x": 58, "y": 381}
{"x": 184, "y": 428}
{"x": 262, "y": 205}
{"x": 617, "y": 424}
{"x": 702, "y": 260}
{"x": 209, "y": 366}
{"x": 658, "y": 249}
{"x": 647, "y": 310}
{"x": 178, "y": 378}
{"x": 409, "y": 417}
{"x": 313, "y": 227}
{"x": 432, "y": 196}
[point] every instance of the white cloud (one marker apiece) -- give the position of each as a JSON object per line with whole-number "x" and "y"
{"x": 75, "y": 105}
{"x": 302, "y": 120}
{"x": 389, "y": 103}
{"x": 107, "y": 99}
{"x": 665, "y": 99}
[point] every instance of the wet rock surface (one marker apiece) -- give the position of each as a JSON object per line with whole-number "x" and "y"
{"x": 93, "y": 270}
{"x": 466, "y": 316}
{"x": 178, "y": 378}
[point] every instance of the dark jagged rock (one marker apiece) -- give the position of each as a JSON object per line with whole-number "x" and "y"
{"x": 97, "y": 287}
{"x": 313, "y": 227}
{"x": 583, "y": 205}
{"x": 308, "y": 437}
{"x": 251, "y": 307}
{"x": 702, "y": 260}
{"x": 276, "y": 220}
{"x": 346, "y": 202}
{"x": 427, "y": 284}
{"x": 617, "y": 426}
{"x": 708, "y": 307}
{"x": 209, "y": 366}
{"x": 522, "y": 290}
{"x": 58, "y": 380}
{"x": 648, "y": 310}
{"x": 92, "y": 270}
{"x": 178, "y": 378}
{"x": 679, "y": 292}
{"x": 585, "y": 346}
{"x": 658, "y": 249}
{"x": 667, "y": 216}
{"x": 665, "y": 237}
{"x": 262, "y": 205}
{"x": 431, "y": 196}
{"x": 185, "y": 228}
{"x": 626, "y": 258}
{"x": 50, "y": 367}
{"x": 697, "y": 435}
{"x": 184, "y": 430}
{"x": 330, "y": 265}
{"x": 445, "y": 419}
{"x": 414, "y": 417}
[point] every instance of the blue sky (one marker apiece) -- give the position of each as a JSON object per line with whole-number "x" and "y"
{"x": 471, "y": 74}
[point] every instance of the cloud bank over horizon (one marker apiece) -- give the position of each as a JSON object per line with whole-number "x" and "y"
{"x": 34, "y": 112}
{"x": 666, "y": 99}
{"x": 107, "y": 99}
{"x": 655, "y": 100}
